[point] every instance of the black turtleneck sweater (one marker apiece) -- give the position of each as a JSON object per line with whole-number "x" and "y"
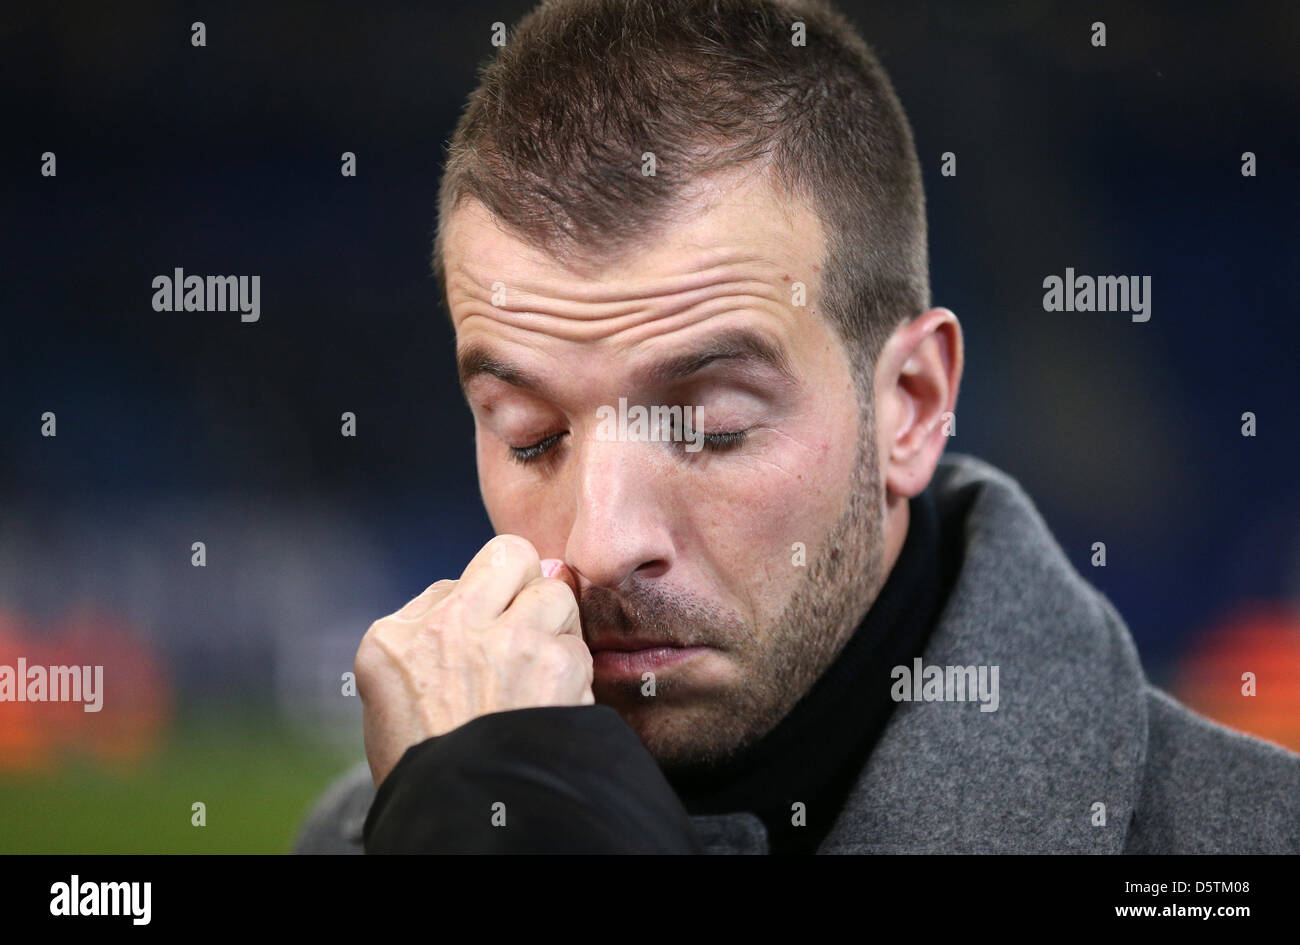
{"x": 576, "y": 779}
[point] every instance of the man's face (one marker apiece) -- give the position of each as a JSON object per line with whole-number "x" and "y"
{"x": 731, "y": 568}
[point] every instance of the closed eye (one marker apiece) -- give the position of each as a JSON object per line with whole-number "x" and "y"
{"x": 721, "y": 442}
{"x": 713, "y": 442}
{"x": 530, "y": 454}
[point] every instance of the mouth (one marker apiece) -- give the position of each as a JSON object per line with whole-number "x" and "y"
{"x": 615, "y": 660}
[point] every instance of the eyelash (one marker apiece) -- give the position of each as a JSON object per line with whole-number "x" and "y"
{"x": 531, "y": 454}
{"x": 713, "y": 442}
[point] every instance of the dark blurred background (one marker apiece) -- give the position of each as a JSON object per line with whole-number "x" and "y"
{"x": 174, "y": 428}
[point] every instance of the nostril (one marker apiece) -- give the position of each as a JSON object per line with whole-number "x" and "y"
{"x": 652, "y": 569}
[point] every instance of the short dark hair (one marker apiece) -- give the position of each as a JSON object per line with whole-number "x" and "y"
{"x": 552, "y": 139}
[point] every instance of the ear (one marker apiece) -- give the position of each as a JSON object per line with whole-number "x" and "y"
{"x": 916, "y": 380}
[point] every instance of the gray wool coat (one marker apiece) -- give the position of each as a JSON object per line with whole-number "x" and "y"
{"x": 1077, "y": 725}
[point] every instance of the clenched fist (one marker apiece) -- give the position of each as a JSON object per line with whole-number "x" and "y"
{"x": 502, "y": 637}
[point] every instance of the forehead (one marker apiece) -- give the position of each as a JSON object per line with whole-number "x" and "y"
{"x": 732, "y": 229}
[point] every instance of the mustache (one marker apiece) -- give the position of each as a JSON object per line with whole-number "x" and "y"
{"x": 642, "y": 611}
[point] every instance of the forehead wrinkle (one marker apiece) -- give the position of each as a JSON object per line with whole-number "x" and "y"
{"x": 476, "y": 280}
{"x": 574, "y": 320}
{"x": 656, "y": 321}
{"x": 482, "y": 352}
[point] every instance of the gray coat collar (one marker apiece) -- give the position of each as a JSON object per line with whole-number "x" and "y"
{"x": 1070, "y": 730}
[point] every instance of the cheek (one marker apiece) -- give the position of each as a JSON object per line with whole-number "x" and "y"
{"x": 487, "y": 486}
{"x": 765, "y": 509}
{"x": 515, "y": 501}
{"x": 498, "y": 483}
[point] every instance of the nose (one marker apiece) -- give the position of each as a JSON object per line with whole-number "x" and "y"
{"x": 621, "y": 526}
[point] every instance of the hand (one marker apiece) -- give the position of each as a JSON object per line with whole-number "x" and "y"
{"x": 502, "y": 637}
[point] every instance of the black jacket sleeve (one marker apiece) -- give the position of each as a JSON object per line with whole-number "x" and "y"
{"x": 559, "y": 779}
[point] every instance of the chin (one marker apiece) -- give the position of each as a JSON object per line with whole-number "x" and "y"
{"x": 677, "y": 734}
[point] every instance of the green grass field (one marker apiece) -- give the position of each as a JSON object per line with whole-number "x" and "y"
{"x": 256, "y": 781}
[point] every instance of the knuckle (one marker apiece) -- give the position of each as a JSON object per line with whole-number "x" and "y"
{"x": 437, "y": 590}
{"x": 375, "y": 635}
{"x": 579, "y": 653}
{"x": 414, "y": 605}
{"x": 520, "y": 643}
{"x": 514, "y": 547}
{"x": 370, "y": 654}
{"x": 450, "y": 611}
{"x": 557, "y": 660}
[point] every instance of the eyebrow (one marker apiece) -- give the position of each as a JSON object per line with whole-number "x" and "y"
{"x": 743, "y": 345}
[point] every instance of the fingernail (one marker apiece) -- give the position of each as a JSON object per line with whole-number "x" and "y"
{"x": 550, "y": 566}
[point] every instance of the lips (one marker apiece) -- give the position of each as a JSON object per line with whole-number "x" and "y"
{"x": 631, "y": 659}
{"x": 631, "y": 644}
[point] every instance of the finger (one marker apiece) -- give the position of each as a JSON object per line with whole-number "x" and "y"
{"x": 579, "y": 647}
{"x": 547, "y": 605}
{"x": 555, "y": 568}
{"x": 495, "y": 575}
{"x": 417, "y": 606}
